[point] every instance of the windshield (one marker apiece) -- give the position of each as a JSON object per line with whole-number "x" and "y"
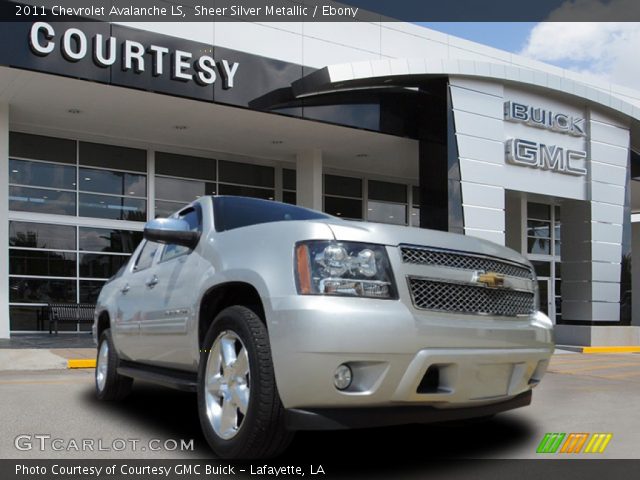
{"x": 236, "y": 212}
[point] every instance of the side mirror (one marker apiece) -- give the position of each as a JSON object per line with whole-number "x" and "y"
{"x": 171, "y": 231}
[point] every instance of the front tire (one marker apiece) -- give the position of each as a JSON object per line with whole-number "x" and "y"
{"x": 110, "y": 385}
{"x": 240, "y": 410}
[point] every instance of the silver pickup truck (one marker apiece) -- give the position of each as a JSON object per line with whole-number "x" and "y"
{"x": 283, "y": 318}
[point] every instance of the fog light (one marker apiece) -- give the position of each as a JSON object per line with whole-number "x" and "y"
{"x": 342, "y": 377}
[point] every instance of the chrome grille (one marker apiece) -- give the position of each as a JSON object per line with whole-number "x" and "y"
{"x": 453, "y": 297}
{"x": 428, "y": 256}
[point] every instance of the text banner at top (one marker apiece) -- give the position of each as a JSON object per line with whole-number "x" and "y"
{"x": 321, "y": 10}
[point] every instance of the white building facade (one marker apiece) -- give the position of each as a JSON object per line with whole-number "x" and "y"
{"x": 104, "y": 126}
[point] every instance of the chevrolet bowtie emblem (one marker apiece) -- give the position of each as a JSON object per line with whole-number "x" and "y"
{"x": 491, "y": 279}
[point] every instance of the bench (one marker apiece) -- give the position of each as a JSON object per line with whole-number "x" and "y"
{"x": 70, "y": 313}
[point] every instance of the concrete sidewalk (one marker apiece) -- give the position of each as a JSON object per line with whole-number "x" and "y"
{"x": 41, "y": 359}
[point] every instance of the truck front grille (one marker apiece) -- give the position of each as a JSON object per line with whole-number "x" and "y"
{"x": 444, "y": 258}
{"x": 453, "y": 297}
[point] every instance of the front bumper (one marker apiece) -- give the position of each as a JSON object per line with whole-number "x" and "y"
{"x": 390, "y": 347}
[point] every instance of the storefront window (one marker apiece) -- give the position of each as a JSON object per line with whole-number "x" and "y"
{"x": 387, "y": 202}
{"x": 289, "y": 186}
{"x": 343, "y": 196}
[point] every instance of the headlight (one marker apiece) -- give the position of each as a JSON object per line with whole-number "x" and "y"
{"x": 343, "y": 268}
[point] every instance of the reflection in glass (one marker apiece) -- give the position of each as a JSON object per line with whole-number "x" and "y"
{"x": 42, "y": 235}
{"x": 383, "y": 212}
{"x": 289, "y": 197}
{"x": 542, "y": 269}
{"x": 116, "y": 208}
{"x": 184, "y": 191}
{"x": 165, "y": 209}
{"x": 39, "y": 174}
{"x": 387, "y": 191}
{"x": 342, "y": 186}
{"x": 114, "y": 183}
{"x": 39, "y": 290}
{"x": 539, "y": 245}
{"x": 106, "y": 240}
{"x": 101, "y": 266}
{"x": 246, "y": 174}
{"x": 42, "y": 263}
{"x": 415, "y": 217}
{"x": 537, "y": 228}
{"x": 89, "y": 290}
{"x": 38, "y": 200}
{"x": 356, "y": 115}
{"x": 343, "y": 207}
{"x": 538, "y": 211}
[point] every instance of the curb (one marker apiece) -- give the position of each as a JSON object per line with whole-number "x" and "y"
{"x": 81, "y": 363}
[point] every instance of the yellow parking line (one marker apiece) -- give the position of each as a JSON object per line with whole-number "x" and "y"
{"x": 81, "y": 363}
{"x": 622, "y": 349}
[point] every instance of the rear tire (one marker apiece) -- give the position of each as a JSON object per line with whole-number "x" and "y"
{"x": 110, "y": 385}
{"x": 240, "y": 410}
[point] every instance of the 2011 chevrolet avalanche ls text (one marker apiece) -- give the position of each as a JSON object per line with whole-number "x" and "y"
{"x": 283, "y": 318}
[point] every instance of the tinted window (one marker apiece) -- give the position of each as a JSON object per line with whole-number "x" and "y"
{"x": 185, "y": 166}
{"x": 288, "y": 179}
{"x": 115, "y": 183}
{"x": 342, "y": 186}
{"x": 145, "y": 259}
{"x": 246, "y": 174}
{"x": 116, "y": 208}
{"x": 110, "y": 156}
{"x": 42, "y": 235}
{"x": 237, "y": 190}
{"x": 236, "y": 212}
{"x": 387, "y": 191}
{"x": 343, "y": 207}
{"x": 105, "y": 240}
{"x": 27, "y": 199}
{"x": 42, "y": 148}
{"x": 40, "y": 174}
{"x": 180, "y": 190}
{"x": 42, "y": 263}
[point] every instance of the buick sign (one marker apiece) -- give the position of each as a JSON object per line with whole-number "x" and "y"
{"x": 543, "y": 118}
{"x": 131, "y": 56}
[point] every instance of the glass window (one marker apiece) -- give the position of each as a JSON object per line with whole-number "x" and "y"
{"x": 415, "y": 193}
{"x": 89, "y": 290}
{"x": 386, "y": 212}
{"x": 165, "y": 209}
{"x": 40, "y": 290}
{"x": 387, "y": 191}
{"x": 246, "y": 174}
{"x": 288, "y": 179}
{"x": 543, "y": 269}
{"x": 39, "y": 147}
{"x": 183, "y": 191}
{"x": 41, "y": 174}
{"x": 360, "y": 115}
{"x": 236, "y": 190}
{"x": 539, "y": 245}
{"x": 42, "y": 263}
{"x": 538, "y": 211}
{"x": 145, "y": 259}
{"x": 415, "y": 217}
{"x": 30, "y": 318}
{"x": 116, "y": 208}
{"x": 38, "y": 200}
{"x": 185, "y": 166}
{"x": 343, "y": 207}
{"x": 289, "y": 197}
{"x": 538, "y": 228}
{"x": 42, "y": 235}
{"x": 94, "y": 265}
{"x": 342, "y": 186}
{"x": 114, "y": 183}
{"x": 111, "y": 156}
{"x": 106, "y": 240}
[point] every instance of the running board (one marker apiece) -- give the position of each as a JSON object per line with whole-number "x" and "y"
{"x": 169, "y": 377}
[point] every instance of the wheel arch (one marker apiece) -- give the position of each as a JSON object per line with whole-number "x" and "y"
{"x": 224, "y": 295}
{"x": 104, "y": 322}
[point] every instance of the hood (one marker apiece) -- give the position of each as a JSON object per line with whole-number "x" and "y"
{"x": 394, "y": 235}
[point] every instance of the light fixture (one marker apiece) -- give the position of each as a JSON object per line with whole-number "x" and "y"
{"x": 276, "y": 142}
{"x": 362, "y": 155}
{"x": 88, "y": 179}
{"x": 14, "y": 171}
{"x": 342, "y": 377}
{"x": 74, "y": 111}
{"x": 180, "y": 127}
{"x": 132, "y": 193}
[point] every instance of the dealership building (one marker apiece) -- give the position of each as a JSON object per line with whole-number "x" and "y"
{"x": 104, "y": 126}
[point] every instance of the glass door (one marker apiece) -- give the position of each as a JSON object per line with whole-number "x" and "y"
{"x": 542, "y": 245}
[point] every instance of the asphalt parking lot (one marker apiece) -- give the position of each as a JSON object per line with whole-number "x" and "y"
{"x": 581, "y": 393}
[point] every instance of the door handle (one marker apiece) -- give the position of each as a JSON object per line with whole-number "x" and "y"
{"x": 152, "y": 282}
{"x": 125, "y": 289}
